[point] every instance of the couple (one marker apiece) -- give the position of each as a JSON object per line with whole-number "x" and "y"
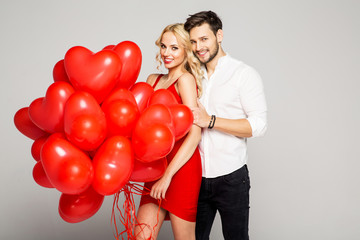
{"x": 199, "y": 181}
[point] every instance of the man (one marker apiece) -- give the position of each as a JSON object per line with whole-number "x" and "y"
{"x": 231, "y": 109}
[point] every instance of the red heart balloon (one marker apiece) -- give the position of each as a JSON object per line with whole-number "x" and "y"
{"x": 119, "y": 93}
{"x": 130, "y": 55}
{"x": 121, "y": 117}
{"x": 113, "y": 164}
{"x": 109, "y": 47}
{"x": 157, "y": 113}
{"x": 182, "y": 118}
{"x": 36, "y": 147}
{"x": 84, "y": 121}
{"x": 48, "y": 112}
{"x": 94, "y": 73}
{"x": 24, "y": 124}
{"x": 148, "y": 172}
{"x": 68, "y": 168}
{"x": 162, "y": 96}
{"x": 79, "y": 207}
{"x": 152, "y": 142}
{"x": 142, "y": 91}
{"x": 40, "y": 177}
{"x": 59, "y": 72}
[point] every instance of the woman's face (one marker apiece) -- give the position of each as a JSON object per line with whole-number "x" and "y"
{"x": 172, "y": 53}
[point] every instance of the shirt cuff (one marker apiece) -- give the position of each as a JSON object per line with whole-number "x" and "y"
{"x": 258, "y": 126}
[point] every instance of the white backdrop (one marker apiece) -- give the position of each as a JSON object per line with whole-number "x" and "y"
{"x": 304, "y": 172}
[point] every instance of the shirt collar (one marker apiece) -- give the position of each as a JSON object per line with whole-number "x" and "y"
{"x": 220, "y": 63}
{"x": 222, "y": 60}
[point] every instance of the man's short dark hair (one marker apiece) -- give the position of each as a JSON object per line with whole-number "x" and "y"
{"x": 200, "y": 18}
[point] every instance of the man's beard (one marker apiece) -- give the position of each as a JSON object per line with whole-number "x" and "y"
{"x": 212, "y": 55}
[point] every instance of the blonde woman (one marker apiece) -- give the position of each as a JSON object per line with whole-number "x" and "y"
{"x": 180, "y": 185}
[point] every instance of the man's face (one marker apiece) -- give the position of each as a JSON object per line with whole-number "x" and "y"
{"x": 205, "y": 44}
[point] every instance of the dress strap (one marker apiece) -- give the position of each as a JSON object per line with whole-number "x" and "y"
{"x": 157, "y": 80}
{"x": 175, "y": 81}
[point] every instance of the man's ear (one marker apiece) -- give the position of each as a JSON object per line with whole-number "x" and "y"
{"x": 219, "y": 35}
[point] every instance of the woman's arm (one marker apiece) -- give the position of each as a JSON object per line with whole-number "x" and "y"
{"x": 188, "y": 93}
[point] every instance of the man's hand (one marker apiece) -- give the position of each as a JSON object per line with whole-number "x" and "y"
{"x": 201, "y": 117}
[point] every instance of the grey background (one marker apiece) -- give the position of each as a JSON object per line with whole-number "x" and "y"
{"x": 304, "y": 172}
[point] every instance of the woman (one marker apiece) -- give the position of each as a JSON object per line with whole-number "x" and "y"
{"x": 179, "y": 187}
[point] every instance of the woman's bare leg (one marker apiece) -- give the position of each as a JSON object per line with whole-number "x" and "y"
{"x": 148, "y": 218}
{"x": 182, "y": 229}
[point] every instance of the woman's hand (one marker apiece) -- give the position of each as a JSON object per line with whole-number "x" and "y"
{"x": 159, "y": 189}
{"x": 201, "y": 117}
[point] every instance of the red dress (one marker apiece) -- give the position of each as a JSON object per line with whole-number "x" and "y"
{"x": 182, "y": 195}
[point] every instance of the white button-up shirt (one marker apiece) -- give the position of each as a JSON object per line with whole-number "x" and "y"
{"x": 234, "y": 91}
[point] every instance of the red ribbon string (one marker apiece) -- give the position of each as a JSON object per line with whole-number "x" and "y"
{"x": 127, "y": 214}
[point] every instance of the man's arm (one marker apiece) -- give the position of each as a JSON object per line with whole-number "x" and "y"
{"x": 236, "y": 127}
{"x": 253, "y": 102}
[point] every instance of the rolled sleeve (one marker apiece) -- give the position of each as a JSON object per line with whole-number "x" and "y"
{"x": 258, "y": 125}
{"x": 252, "y": 98}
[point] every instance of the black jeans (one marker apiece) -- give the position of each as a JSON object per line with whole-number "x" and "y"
{"x": 228, "y": 194}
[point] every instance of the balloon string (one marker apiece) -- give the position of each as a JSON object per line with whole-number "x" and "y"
{"x": 127, "y": 214}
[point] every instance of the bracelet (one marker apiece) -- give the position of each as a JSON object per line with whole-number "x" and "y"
{"x": 212, "y": 122}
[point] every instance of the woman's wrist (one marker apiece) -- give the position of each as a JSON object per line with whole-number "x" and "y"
{"x": 168, "y": 175}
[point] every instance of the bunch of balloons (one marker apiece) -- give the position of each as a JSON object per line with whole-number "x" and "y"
{"x": 96, "y": 129}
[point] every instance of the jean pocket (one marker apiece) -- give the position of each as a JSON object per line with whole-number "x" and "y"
{"x": 232, "y": 179}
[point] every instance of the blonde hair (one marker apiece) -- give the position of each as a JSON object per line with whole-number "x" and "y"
{"x": 191, "y": 63}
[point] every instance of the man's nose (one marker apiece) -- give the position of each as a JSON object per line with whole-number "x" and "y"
{"x": 198, "y": 46}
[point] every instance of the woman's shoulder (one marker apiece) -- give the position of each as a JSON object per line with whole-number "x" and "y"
{"x": 186, "y": 77}
{"x": 186, "y": 81}
{"x": 152, "y": 78}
